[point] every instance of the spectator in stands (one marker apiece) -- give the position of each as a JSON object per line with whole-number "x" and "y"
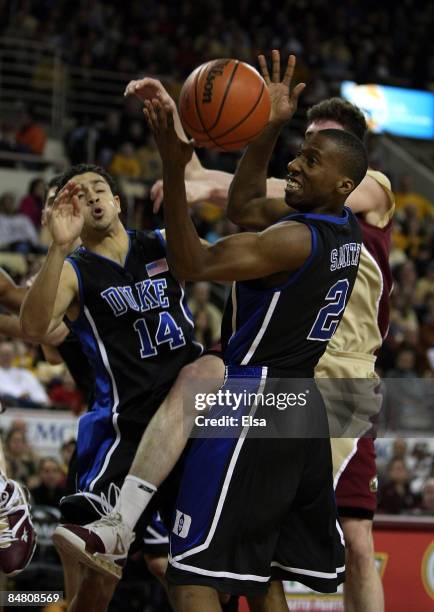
{"x": 406, "y": 198}
{"x": 407, "y": 401}
{"x": 17, "y": 232}
{"x": 395, "y": 496}
{"x": 402, "y": 316}
{"x": 66, "y": 452}
{"x": 425, "y": 285}
{"x": 64, "y": 394}
{"x": 32, "y": 204}
{"x": 427, "y": 504}
{"x": 50, "y": 491}
{"x": 30, "y": 134}
{"x": 125, "y": 163}
{"x": 202, "y": 328}
{"x": 109, "y": 139}
{"x": 21, "y": 461}
{"x": 149, "y": 159}
{"x": 405, "y": 364}
{"x": 18, "y": 386}
{"x": 200, "y": 300}
{"x": 8, "y": 143}
{"x": 420, "y": 463}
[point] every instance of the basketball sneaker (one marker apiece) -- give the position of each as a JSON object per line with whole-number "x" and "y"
{"x": 17, "y": 534}
{"x": 102, "y": 545}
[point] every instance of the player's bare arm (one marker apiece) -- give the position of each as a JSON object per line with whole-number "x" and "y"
{"x": 281, "y": 248}
{"x": 54, "y": 292}
{"x": 11, "y": 296}
{"x": 10, "y": 327}
{"x": 248, "y": 205}
{"x": 370, "y": 199}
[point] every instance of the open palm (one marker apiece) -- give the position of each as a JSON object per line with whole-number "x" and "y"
{"x": 284, "y": 100}
{"x": 65, "y": 220}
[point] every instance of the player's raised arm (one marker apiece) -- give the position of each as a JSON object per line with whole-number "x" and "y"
{"x": 55, "y": 287}
{"x": 246, "y": 256}
{"x": 201, "y": 183}
{"x": 248, "y": 205}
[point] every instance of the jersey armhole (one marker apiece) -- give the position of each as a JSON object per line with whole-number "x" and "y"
{"x": 161, "y": 238}
{"x": 68, "y": 321}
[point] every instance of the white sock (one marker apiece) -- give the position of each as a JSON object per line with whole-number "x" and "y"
{"x": 134, "y": 497}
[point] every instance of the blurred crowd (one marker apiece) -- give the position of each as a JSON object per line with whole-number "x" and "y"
{"x": 363, "y": 42}
{"x": 406, "y": 476}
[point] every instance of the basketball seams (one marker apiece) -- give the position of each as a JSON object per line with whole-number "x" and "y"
{"x": 252, "y": 110}
{"x": 241, "y": 140}
{"x": 196, "y": 80}
{"x": 225, "y": 95}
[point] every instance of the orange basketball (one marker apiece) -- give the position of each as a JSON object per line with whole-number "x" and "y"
{"x": 224, "y": 104}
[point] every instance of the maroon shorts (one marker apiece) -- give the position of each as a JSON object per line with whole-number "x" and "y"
{"x": 356, "y": 491}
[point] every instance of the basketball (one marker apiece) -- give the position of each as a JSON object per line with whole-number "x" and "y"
{"x": 224, "y": 104}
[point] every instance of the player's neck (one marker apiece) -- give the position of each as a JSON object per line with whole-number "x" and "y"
{"x": 113, "y": 245}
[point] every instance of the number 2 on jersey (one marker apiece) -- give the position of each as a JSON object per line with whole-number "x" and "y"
{"x": 168, "y": 331}
{"x": 329, "y": 315}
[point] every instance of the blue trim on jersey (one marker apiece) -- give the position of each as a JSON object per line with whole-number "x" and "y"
{"x": 205, "y": 469}
{"x": 341, "y": 220}
{"x": 242, "y": 339}
{"x": 96, "y": 433}
{"x": 80, "y": 288}
{"x": 161, "y": 238}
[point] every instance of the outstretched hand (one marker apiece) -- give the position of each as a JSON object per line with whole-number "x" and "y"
{"x": 65, "y": 219}
{"x": 284, "y": 100}
{"x": 149, "y": 89}
{"x": 160, "y": 120}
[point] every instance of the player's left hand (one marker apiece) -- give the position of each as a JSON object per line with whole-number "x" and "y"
{"x": 148, "y": 89}
{"x": 284, "y": 100}
{"x": 170, "y": 146}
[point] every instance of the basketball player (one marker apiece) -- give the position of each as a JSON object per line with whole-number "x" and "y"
{"x": 129, "y": 313}
{"x": 281, "y": 254}
{"x": 351, "y": 352}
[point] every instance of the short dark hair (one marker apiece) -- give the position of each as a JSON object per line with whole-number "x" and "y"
{"x": 81, "y": 169}
{"x": 353, "y": 153}
{"x": 53, "y": 182}
{"x": 336, "y": 109}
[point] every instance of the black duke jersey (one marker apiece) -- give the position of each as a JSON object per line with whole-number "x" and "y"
{"x": 287, "y": 327}
{"x": 137, "y": 332}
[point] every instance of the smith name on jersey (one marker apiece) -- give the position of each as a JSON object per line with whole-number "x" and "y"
{"x": 287, "y": 327}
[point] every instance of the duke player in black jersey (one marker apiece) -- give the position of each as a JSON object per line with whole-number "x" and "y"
{"x": 130, "y": 315}
{"x": 292, "y": 296}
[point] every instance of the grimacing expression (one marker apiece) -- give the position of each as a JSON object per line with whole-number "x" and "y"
{"x": 315, "y": 177}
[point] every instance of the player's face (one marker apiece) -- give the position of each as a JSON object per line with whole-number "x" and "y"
{"x": 314, "y": 178}
{"x": 101, "y": 208}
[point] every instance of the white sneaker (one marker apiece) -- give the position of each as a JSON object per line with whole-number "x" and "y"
{"x": 102, "y": 545}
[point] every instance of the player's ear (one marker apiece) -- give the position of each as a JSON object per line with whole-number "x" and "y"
{"x": 345, "y": 185}
{"x": 117, "y": 202}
